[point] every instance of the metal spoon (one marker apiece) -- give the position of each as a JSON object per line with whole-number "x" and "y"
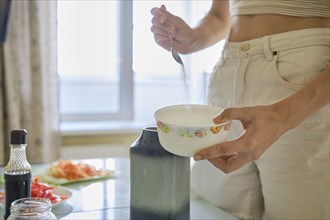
{"x": 176, "y": 55}
{"x": 178, "y": 59}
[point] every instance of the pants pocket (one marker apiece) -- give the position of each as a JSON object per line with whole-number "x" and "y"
{"x": 295, "y": 68}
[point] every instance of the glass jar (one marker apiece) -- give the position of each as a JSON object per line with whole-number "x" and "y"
{"x": 31, "y": 208}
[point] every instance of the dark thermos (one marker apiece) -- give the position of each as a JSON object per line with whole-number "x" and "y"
{"x": 160, "y": 181}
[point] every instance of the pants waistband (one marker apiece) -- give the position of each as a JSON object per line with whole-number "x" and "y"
{"x": 269, "y": 45}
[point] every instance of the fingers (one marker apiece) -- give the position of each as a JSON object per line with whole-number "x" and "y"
{"x": 227, "y": 156}
{"x": 161, "y": 29}
{"x": 159, "y": 14}
{"x": 161, "y": 32}
{"x": 161, "y": 37}
{"x": 165, "y": 28}
{"x": 230, "y": 165}
{"x": 166, "y": 25}
{"x": 163, "y": 41}
{"x": 161, "y": 19}
{"x": 226, "y": 149}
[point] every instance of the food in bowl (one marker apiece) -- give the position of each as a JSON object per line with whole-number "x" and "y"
{"x": 185, "y": 129}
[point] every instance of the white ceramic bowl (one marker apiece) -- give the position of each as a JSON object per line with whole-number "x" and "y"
{"x": 185, "y": 129}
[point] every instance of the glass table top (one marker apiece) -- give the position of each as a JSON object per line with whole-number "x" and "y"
{"x": 110, "y": 198}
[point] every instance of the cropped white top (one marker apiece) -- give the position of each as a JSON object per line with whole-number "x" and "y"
{"x": 300, "y": 8}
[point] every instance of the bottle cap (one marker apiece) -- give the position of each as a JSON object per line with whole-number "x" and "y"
{"x": 18, "y": 136}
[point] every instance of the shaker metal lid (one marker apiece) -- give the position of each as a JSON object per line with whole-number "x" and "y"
{"x": 18, "y": 136}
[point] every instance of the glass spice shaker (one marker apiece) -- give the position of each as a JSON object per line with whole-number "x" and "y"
{"x": 31, "y": 209}
{"x": 160, "y": 180}
{"x": 17, "y": 172}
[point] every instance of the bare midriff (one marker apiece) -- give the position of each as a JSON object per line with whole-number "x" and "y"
{"x": 247, "y": 27}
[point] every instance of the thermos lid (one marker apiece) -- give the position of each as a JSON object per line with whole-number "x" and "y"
{"x": 18, "y": 136}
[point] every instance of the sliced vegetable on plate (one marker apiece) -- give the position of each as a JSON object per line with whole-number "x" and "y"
{"x": 43, "y": 190}
{"x": 68, "y": 171}
{"x": 56, "y": 194}
{"x": 2, "y": 198}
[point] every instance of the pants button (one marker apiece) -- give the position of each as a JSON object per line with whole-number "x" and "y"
{"x": 245, "y": 47}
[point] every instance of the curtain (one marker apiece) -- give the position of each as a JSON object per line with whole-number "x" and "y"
{"x": 29, "y": 80}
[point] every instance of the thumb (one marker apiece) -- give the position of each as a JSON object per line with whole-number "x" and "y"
{"x": 163, "y": 8}
{"x": 168, "y": 14}
{"x": 229, "y": 114}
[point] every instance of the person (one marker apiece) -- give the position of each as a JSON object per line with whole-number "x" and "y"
{"x": 272, "y": 78}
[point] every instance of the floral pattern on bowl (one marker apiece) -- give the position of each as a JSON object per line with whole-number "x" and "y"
{"x": 192, "y": 132}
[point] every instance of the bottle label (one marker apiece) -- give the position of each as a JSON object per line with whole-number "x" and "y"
{"x": 16, "y": 187}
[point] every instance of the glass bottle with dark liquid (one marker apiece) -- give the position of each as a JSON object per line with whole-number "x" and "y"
{"x": 17, "y": 173}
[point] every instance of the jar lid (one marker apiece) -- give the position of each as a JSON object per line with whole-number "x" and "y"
{"x": 18, "y": 136}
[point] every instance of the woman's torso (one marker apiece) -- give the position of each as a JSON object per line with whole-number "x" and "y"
{"x": 247, "y": 27}
{"x": 252, "y": 19}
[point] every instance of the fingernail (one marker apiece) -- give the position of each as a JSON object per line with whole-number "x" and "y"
{"x": 218, "y": 119}
{"x": 198, "y": 157}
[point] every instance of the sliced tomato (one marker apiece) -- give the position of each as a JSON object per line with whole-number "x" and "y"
{"x": 40, "y": 190}
{"x": 43, "y": 190}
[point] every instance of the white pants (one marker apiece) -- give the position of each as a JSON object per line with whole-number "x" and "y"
{"x": 291, "y": 179}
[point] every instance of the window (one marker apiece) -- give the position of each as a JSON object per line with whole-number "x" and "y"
{"x": 110, "y": 67}
{"x": 94, "y": 60}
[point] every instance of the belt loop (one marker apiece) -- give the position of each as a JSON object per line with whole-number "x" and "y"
{"x": 265, "y": 47}
{"x": 224, "y": 52}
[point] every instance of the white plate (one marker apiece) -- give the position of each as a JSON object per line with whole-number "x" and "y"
{"x": 61, "y": 191}
{"x": 46, "y": 178}
{"x": 58, "y": 190}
